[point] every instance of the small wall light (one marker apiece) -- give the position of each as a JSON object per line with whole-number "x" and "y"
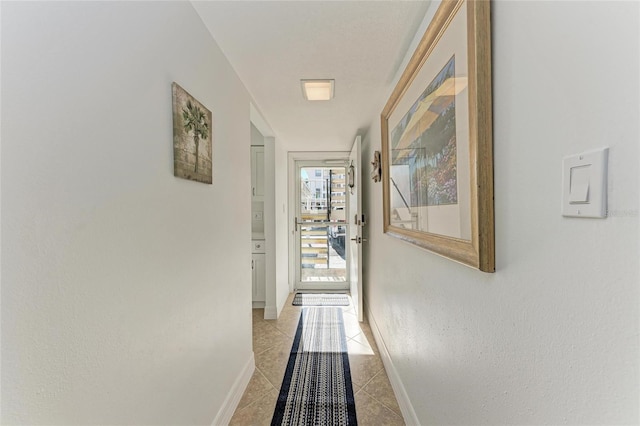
{"x": 351, "y": 177}
{"x": 317, "y": 90}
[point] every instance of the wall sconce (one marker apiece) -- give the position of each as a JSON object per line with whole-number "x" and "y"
{"x": 376, "y": 171}
{"x": 351, "y": 177}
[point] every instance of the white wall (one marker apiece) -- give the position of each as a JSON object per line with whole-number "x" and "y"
{"x": 552, "y": 336}
{"x": 283, "y": 284}
{"x": 276, "y": 235}
{"x": 275, "y": 216}
{"x": 270, "y": 311}
{"x": 125, "y": 291}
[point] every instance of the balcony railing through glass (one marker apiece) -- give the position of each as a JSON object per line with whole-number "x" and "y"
{"x": 323, "y": 227}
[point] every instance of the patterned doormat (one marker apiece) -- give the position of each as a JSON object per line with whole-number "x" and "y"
{"x": 317, "y": 389}
{"x": 316, "y": 299}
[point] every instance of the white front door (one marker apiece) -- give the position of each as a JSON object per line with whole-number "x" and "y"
{"x": 355, "y": 223}
{"x": 320, "y": 226}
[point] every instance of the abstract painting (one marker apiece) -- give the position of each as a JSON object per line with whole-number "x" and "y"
{"x": 425, "y": 140}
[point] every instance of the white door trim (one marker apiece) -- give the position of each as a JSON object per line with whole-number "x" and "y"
{"x": 293, "y": 157}
{"x": 354, "y": 205}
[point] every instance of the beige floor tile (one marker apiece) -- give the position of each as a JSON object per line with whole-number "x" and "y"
{"x": 357, "y": 346}
{"x": 375, "y": 402}
{"x": 266, "y": 336}
{"x": 379, "y": 388}
{"x": 364, "y": 364}
{"x": 289, "y": 310}
{"x": 258, "y": 413}
{"x": 257, "y": 389}
{"x": 366, "y": 329}
{"x": 273, "y": 362}
{"x": 367, "y": 342}
{"x": 351, "y": 325}
{"x": 257, "y": 314}
{"x": 349, "y": 309}
{"x": 367, "y": 334}
{"x": 287, "y": 323}
{"x": 259, "y": 327}
{"x": 371, "y": 412}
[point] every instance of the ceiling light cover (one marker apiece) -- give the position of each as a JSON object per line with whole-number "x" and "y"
{"x": 317, "y": 90}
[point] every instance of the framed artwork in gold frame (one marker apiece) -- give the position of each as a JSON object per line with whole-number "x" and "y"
{"x": 437, "y": 148}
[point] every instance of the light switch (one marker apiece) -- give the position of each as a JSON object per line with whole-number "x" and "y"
{"x": 579, "y": 194}
{"x": 584, "y": 184}
{"x": 579, "y": 186}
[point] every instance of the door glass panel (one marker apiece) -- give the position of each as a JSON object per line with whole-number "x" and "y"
{"x": 322, "y": 224}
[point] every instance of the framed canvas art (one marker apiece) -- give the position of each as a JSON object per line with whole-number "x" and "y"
{"x": 192, "y": 137}
{"x": 437, "y": 149}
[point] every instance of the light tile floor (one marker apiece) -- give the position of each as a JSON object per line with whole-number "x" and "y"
{"x": 272, "y": 339}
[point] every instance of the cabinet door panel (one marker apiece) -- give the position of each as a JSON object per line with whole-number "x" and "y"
{"x": 258, "y": 278}
{"x": 257, "y": 173}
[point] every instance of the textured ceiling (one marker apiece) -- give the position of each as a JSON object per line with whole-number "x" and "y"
{"x": 274, "y": 44}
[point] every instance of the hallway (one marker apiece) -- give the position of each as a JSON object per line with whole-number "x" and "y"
{"x": 272, "y": 340}
{"x": 126, "y": 290}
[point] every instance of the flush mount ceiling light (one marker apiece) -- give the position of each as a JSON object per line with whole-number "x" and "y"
{"x": 317, "y": 90}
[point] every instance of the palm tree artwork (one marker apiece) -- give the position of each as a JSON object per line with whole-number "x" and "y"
{"x": 192, "y": 138}
{"x": 195, "y": 121}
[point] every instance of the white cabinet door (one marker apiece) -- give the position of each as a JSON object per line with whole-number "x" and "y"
{"x": 258, "y": 277}
{"x": 257, "y": 173}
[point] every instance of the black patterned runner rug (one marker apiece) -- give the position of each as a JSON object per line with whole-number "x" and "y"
{"x": 317, "y": 389}
{"x": 317, "y": 299}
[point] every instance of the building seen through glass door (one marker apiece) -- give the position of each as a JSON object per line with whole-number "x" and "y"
{"x": 322, "y": 227}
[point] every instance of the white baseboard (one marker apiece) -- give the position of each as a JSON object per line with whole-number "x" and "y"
{"x": 402, "y": 397}
{"x": 270, "y": 312}
{"x": 235, "y": 394}
{"x": 257, "y": 305}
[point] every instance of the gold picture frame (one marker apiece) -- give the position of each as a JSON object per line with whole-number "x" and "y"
{"x": 437, "y": 148}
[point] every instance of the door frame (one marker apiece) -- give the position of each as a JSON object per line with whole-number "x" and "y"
{"x": 356, "y": 222}
{"x": 293, "y": 158}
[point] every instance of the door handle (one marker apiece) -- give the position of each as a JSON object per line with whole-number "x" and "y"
{"x": 359, "y": 240}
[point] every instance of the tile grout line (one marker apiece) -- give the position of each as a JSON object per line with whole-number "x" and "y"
{"x": 272, "y": 346}
{"x": 378, "y": 401}
{"x": 277, "y": 389}
{"x": 264, "y": 396}
{"x": 384, "y": 405}
{"x": 267, "y": 349}
{"x": 372, "y": 377}
{"x": 268, "y": 381}
{"x": 259, "y": 398}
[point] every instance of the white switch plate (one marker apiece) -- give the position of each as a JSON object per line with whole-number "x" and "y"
{"x": 584, "y": 184}
{"x": 257, "y": 215}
